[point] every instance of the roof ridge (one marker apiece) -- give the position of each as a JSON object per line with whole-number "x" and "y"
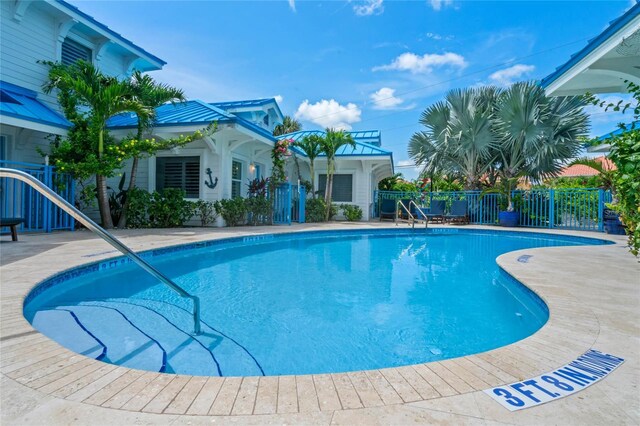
{"x": 214, "y": 108}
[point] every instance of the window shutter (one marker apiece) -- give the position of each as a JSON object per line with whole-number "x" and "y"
{"x": 179, "y": 172}
{"x": 342, "y": 187}
{"x": 72, "y": 51}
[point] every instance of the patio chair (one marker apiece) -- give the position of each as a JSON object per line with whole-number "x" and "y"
{"x": 12, "y": 223}
{"x": 388, "y": 209}
{"x": 459, "y": 212}
{"x": 436, "y": 212}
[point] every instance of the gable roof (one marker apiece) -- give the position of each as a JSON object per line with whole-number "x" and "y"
{"x": 21, "y": 103}
{"x": 193, "y": 112}
{"x": 73, "y": 10}
{"x": 593, "y": 44}
{"x": 361, "y": 138}
{"x": 248, "y": 105}
{"x": 584, "y": 170}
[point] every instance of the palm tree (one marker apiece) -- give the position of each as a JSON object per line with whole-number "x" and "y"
{"x": 289, "y": 125}
{"x": 311, "y": 145}
{"x": 536, "y": 134}
{"x": 458, "y": 138}
{"x": 105, "y": 97}
{"x": 152, "y": 95}
{"x": 330, "y": 144}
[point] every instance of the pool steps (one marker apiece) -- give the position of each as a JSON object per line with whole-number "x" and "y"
{"x": 134, "y": 333}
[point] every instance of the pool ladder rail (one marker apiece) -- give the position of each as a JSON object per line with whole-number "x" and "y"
{"x": 91, "y": 225}
{"x": 411, "y": 221}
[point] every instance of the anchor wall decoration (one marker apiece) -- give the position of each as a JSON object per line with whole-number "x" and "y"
{"x": 211, "y": 184}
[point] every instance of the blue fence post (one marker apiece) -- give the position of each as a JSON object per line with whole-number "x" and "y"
{"x": 302, "y": 200}
{"x": 600, "y": 210}
{"x": 46, "y": 204}
{"x": 552, "y": 209}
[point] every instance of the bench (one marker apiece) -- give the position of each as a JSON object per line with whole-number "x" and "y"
{"x": 11, "y": 222}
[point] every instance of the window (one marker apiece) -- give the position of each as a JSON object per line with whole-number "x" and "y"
{"x": 236, "y": 179}
{"x": 342, "y": 187}
{"x": 179, "y": 172}
{"x": 72, "y": 51}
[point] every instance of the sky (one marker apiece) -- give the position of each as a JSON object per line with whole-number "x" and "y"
{"x": 358, "y": 65}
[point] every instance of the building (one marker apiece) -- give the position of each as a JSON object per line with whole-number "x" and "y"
{"x": 215, "y": 167}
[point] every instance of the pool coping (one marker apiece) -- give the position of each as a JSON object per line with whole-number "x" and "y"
{"x": 32, "y": 360}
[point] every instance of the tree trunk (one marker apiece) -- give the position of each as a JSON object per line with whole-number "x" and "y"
{"x": 327, "y": 198}
{"x": 122, "y": 223}
{"x": 103, "y": 202}
{"x": 313, "y": 180}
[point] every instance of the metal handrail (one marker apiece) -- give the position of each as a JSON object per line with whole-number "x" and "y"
{"x": 424, "y": 215}
{"x": 91, "y": 225}
{"x": 412, "y": 221}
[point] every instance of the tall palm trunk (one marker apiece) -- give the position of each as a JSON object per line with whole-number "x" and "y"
{"x": 328, "y": 189}
{"x": 101, "y": 185}
{"x": 103, "y": 202}
{"x": 122, "y": 222}
{"x": 313, "y": 180}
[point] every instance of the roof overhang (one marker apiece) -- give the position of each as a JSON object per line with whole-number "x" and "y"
{"x": 604, "y": 64}
{"x": 8, "y": 120}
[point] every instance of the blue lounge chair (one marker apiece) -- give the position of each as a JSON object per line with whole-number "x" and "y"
{"x": 436, "y": 212}
{"x": 12, "y": 223}
{"x": 459, "y": 212}
{"x": 387, "y": 209}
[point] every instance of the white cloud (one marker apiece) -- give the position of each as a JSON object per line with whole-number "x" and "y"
{"x": 436, "y": 36}
{"x": 278, "y": 98}
{"x": 292, "y": 5}
{"x": 510, "y": 75}
{"x": 384, "y": 99}
{"x": 439, "y": 4}
{"x": 370, "y": 7}
{"x": 424, "y": 64}
{"x": 329, "y": 113}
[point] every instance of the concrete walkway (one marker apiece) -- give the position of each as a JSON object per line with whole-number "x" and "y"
{"x": 593, "y": 293}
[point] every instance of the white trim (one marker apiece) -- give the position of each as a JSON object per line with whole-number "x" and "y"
{"x": 26, "y": 124}
{"x": 243, "y": 173}
{"x": 592, "y": 57}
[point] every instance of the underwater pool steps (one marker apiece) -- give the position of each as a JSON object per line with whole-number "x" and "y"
{"x": 106, "y": 236}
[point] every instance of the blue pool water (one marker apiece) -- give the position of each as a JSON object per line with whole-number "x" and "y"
{"x": 304, "y": 303}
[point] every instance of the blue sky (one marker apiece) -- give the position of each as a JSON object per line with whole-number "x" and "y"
{"x": 359, "y": 65}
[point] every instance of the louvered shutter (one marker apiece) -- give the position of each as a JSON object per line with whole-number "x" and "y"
{"x": 72, "y": 51}
{"x": 179, "y": 172}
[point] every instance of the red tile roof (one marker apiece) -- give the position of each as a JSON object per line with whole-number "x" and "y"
{"x": 582, "y": 170}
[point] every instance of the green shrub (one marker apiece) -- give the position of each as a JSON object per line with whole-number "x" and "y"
{"x": 232, "y": 210}
{"x": 169, "y": 209}
{"x": 315, "y": 210}
{"x": 206, "y": 210}
{"x": 351, "y": 212}
{"x": 138, "y": 213}
{"x": 258, "y": 210}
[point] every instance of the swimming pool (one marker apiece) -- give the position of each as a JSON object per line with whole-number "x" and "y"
{"x": 299, "y": 303}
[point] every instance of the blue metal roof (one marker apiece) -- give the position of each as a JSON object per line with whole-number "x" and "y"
{"x": 362, "y": 148}
{"x": 614, "y": 26}
{"x": 250, "y": 103}
{"x": 634, "y": 125}
{"x": 109, "y": 30}
{"x": 185, "y": 114}
{"x": 18, "y": 102}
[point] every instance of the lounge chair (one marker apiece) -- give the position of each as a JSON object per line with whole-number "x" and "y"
{"x": 436, "y": 211}
{"x": 11, "y": 222}
{"x": 459, "y": 212}
{"x": 388, "y": 209}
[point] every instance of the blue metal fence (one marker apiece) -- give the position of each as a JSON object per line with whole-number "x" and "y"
{"x": 289, "y": 204}
{"x": 570, "y": 208}
{"x": 20, "y": 200}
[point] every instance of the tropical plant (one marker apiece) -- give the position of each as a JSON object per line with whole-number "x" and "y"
{"x": 333, "y": 140}
{"x": 605, "y": 177}
{"x": 169, "y": 209}
{"x": 458, "y": 138}
{"x": 316, "y": 209}
{"x": 258, "y": 209}
{"x": 536, "y": 134}
{"x": 396, "y": 183}
{"x": 152, "y": 95}
{"x": 311, "y": 145}
{"x": 232, "y": 210}
{"x": 257, "y": 187}
{"x": 206, "y": 210}
{"x": 351, "y": 212}
{"x": 288, "y": 125}
{"x": 89, "y": 98}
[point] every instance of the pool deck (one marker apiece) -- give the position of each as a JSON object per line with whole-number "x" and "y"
{"x": 593, "y": 294}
